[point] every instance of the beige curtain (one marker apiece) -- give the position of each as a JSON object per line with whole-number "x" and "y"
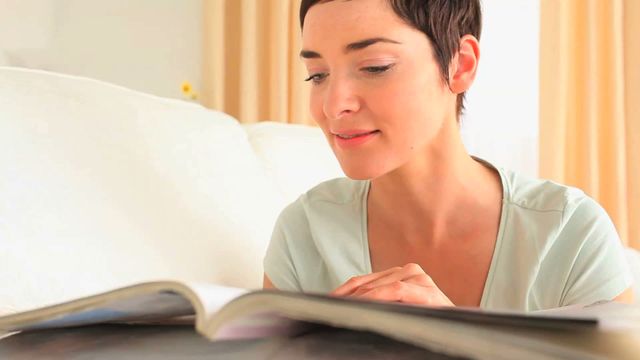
{"x": 251, "y": 65}
{"x": 590, "y": 103}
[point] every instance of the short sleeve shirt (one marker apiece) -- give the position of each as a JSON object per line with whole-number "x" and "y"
{"x": 556, "y": 246}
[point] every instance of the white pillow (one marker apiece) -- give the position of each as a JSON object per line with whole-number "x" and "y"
{"x": 102, "y": 186}
{"x": 4, "y": 59}
{"x": 296, "y": 157}
{"x": 633, "y": 257}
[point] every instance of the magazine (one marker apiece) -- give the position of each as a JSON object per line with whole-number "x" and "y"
{"x": 606, "y": 329}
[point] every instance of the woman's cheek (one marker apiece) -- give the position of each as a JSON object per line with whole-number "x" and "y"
{"x": 387, "y": 103}
{"x": 316, "y": 109}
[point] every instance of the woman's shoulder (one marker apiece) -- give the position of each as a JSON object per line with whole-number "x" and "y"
{"x": 559, "y": 214}
{"x": 329, "y": 198}
{"x": 555, "y": 231}
{"x": 542, "y": 195}
{"x": 337, "y": 191}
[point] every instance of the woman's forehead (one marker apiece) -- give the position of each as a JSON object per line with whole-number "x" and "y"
{"x": 338, "y": 23}
{"x": 351, "y": 15}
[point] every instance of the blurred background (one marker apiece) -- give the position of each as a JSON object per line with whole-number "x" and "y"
{"x": 557, "y": 94}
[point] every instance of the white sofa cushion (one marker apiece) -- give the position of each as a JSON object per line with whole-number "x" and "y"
{"x": 101, "y": 186}
{"x": 295, "y": 157}
{"x": 633, "y": 257}
{"x": 4, "y": 59}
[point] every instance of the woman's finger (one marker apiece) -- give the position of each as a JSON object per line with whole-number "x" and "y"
{"x": 421, "y": 279}
{"x": 408, "y": 271}
{"x": 357, "y": 281}
{"x": 408, "y": 293}
{"x": 396, "y": 292}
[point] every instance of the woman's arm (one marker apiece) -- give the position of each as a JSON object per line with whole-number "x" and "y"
{"x": 625, "y": 297}
{"x": 267, "y": 284}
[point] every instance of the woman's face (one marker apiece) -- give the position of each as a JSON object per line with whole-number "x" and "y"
{"x": 377, "y": 92}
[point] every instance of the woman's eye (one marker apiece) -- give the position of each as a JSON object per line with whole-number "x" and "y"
{"x": 377, "y": 69}
{"x": 317, "y": 78}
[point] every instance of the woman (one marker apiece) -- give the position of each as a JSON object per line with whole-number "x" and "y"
{"x": 419, "y": 220}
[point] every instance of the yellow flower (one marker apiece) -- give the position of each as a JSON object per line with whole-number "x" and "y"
{"x": 186, "y": 88}
{"x": 187, "y": 91}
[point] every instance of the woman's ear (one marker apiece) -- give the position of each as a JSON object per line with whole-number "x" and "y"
{"x": 463, "y": 67}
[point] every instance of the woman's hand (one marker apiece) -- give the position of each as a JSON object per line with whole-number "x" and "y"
{"x": 408, "y": 284}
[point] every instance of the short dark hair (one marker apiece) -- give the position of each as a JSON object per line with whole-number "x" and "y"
{"x": 444, "y": 22}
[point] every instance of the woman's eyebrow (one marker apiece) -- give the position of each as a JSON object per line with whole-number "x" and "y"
{"x": 367, "y": 42}
{"x": 358, "y": 45}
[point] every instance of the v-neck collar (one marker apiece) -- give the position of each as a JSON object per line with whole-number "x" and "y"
{"x": 486, "y": 292}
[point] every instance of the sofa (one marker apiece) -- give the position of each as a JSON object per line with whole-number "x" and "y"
{"x": 102, "y": 186}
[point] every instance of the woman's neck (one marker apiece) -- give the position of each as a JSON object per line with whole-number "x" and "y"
{"x": 436, "y": 194}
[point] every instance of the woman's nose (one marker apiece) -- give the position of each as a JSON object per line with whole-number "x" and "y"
{"x": 340, "y": 99}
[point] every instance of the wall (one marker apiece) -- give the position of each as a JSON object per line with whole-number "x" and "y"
{"x": 147, "y": 45}
{"x": 502, "y": 121}
{"x": 154, "y": 45}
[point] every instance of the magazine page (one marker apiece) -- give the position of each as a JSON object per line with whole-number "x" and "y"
{"x": 258, "y": 324}
{"x": 147, "y": 301}
{"x": 139, "y": 308}
{"x": 471, "y": 315}
{"x": 611, "y": 315}
{"x": 276, "y": 313}
{"x": 260, "y": 319}
{"x": 213, "y": 297}
{"x": 179, "y": 304}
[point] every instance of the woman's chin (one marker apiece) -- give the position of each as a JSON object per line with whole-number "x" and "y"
{"x": 361, "y": 171}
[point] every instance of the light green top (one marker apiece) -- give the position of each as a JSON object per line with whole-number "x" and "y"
{"x": 555, "y": 246}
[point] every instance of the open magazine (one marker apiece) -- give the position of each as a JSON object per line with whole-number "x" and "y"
{"x": 605, "y": 329}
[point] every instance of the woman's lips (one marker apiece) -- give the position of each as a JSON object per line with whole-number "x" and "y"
{"x": 355, "y": 138}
